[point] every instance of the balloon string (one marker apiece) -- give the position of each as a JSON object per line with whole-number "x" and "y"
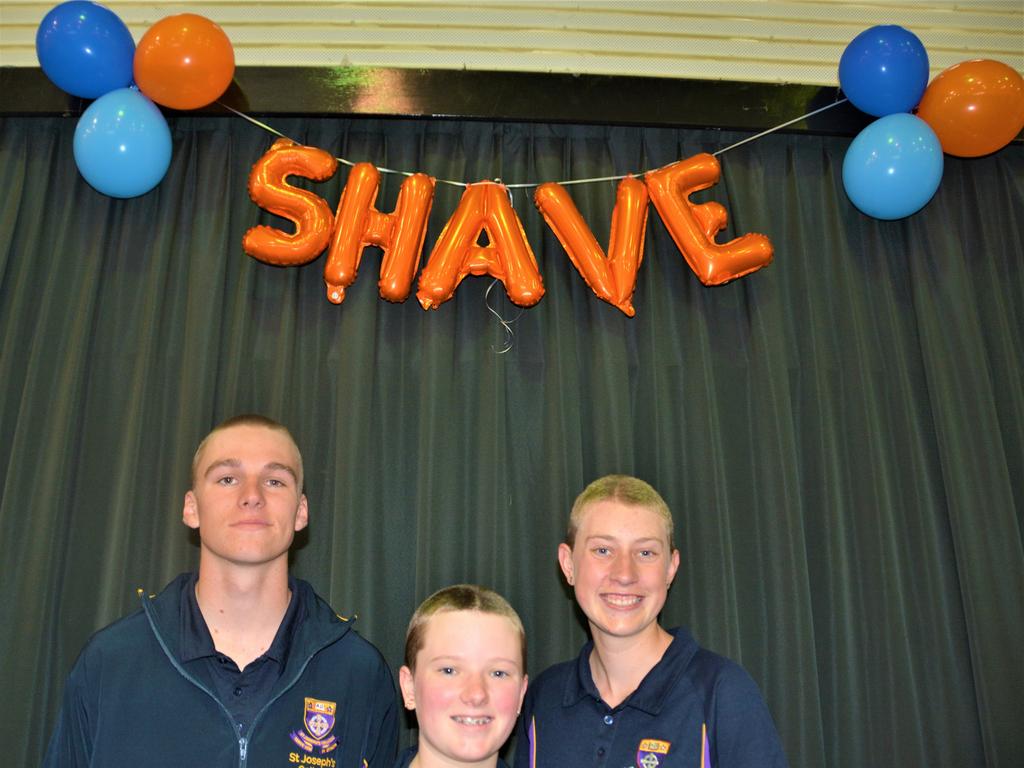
{"x": 256, "y": 122}
{"x": 565, "y": 183}
{"x": 506, "y": 324}
{"x": 780, "y": 127}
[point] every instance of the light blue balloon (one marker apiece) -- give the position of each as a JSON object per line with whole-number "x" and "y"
{"x": 893, "y": 167}
{"x": 123, "y": 144}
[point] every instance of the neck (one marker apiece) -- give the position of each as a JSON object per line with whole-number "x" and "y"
{"x": 428, "y": 758}
{"x": 619, "y": 664}
{"x": 242, "y": 607}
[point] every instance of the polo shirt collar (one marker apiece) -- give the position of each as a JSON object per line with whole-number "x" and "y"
{"x": 650, "y": 695}
{"x": 196, "y": 642}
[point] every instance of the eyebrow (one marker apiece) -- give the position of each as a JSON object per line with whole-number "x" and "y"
{"x": 448, "y": 657}
{"x": 273, "y": 466}
{"x": 609, "y": 537}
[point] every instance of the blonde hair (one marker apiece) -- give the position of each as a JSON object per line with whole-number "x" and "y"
{"x": 625, "y": 489}
{"x": 459, "y": 597}
{"x": 247, "y": 420}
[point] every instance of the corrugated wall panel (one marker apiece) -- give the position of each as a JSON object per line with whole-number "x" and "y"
{"x": 752, "y": 40}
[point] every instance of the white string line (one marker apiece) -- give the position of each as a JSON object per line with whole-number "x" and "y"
{"x": 779, "y": 127}
{"x": 530, "y": 184}
{"x": 506, "y": 324}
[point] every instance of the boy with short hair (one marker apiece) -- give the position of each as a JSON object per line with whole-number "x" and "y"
{"x": 464, "y": 676}
{"x": 637, "y": 695}
{"x": 239, "y": 663}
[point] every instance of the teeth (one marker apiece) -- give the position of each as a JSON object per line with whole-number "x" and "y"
{"x": 622, "y": 600}
{"x": 472, "y": 720}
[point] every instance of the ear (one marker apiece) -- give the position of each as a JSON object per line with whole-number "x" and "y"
{"x": 302, "y": 515}
{"x": 522, "y": 694}
{"x": 190, "y": 510}
{"x": 408, "y": 688}
{"x": 673, "y": 566}
{"x": 565, "y": 563}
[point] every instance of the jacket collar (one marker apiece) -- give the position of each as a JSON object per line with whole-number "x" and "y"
{"x": 317, "y": 626}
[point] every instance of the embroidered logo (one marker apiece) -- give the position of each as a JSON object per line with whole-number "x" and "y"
{"x": 319, "y": 722}
{"x": 651, "y": 752}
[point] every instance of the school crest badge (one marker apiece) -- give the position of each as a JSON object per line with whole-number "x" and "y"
{"x": 318, "y": 722}
{"x": 651, "y": 753}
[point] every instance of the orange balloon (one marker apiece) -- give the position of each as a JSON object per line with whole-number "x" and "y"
{"x": 358, "y": 224}
{"x": 270, "y": 190}
{"x": 184, "y": 62}
{"x": 484, "y": 207}
{"x": 694, "y": 226}
{"x": 974, "y": 107}
{"x": 611, "y": 278}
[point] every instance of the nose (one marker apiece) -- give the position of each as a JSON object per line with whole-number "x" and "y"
{"x": 474, "y": 691}
{"x": 251, "y": 494}
{"x": 624, "y": 569}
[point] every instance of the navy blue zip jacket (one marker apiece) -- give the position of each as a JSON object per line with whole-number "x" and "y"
{"x": 129, "y": 701}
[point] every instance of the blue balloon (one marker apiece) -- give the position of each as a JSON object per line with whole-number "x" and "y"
{"x": 85, "y": 49}
{"x": 893, "y": 167}
{"x": 123, "y": 144}
{"x": 884, "y": 70}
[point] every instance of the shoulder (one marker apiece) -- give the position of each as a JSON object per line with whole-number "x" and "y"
{"x": 555, "y": 676}
{"x": 721, "y": 677}
{"x": 405, "y": 758}
{"x": 336, "y": 635}
{"x": 548, "y": 688}
{"x": 122, "y": 637}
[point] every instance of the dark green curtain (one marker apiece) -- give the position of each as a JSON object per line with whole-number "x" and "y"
{"x": 840, "y": 436}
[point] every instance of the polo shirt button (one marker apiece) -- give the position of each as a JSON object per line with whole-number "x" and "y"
{"x": 238, "y": 691}
{"x": 600, "y": 752}
{"x": 608, "y": 719}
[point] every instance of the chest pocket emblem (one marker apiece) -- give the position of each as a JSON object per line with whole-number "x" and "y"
{"x": 651, "y": 752}
{"x": 318, "y": 720}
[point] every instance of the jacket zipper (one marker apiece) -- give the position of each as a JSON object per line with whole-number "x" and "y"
{"x": 243, "y": 741}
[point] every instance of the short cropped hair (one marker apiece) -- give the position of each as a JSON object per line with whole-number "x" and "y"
{"x": 459, "y": 597}
{"x": 625, "y": 489}
{"x": 247, "y": 420}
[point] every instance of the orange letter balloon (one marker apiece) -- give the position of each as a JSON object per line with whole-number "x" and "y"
{"x": 484, "y": 207}
{"x": 693, "y": 227}
{"x": 269, "y": 189}
{"x": 184, "y": 62}
{"x": 613, "y": 278}
{"x": 400, "y": 234}
{"x": 974, "y": 107}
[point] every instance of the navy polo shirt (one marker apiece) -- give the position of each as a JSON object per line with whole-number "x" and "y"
{"x": 690, "y": 695}
{"x": 242, "y": 692}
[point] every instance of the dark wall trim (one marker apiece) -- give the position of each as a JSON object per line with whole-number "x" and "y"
{"x": 517, "y": 96}
{"x": 471, "y": 95}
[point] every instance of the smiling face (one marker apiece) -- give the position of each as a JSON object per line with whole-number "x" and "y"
{"x": 467, "y": 687}
{"x": 246, "y": 499}
{"x": 621, "y": 566}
